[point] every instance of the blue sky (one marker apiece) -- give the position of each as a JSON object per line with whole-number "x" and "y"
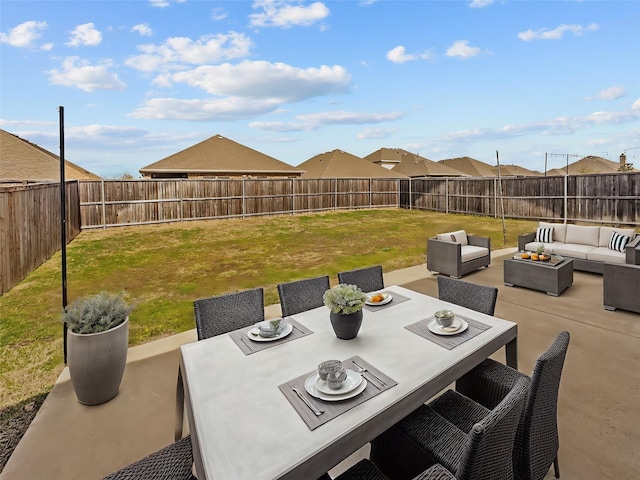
{"x": 142, "y": 79}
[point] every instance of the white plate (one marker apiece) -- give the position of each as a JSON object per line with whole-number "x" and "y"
{"x": 257, "y": 338}
{"x": 457, "y": 322}
{"x": 310, "y": 387}
{"x": 353, "y": 381}
{"x": 387, "y": 299}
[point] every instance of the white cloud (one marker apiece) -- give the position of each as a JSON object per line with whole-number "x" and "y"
{"x": 610, "y": 93}
{"x": 399, "y": 55}
{"x": 80, "y": 74}
{"x": 277, "y": 82}
{"x": 480, "y": 3}
{"x": 142, "y": 29}
{"x": 85, "y": 35}
{"x": 203, "y": 110}
{"x": 636, "y": 105}
{"x": 163, "y": 3}
{"x": 284, "y": 126}
{"x": 177, "y": 52}
{"x": 313, "y": 121}
{"x": 461, "y": 49}
{"x": 557, "y": 33}
{"x": 286, "y": 13}
{"x": 23, "y": 35}
{"x": 46, "y": 47}
{"x": 218, "y": 14}
{"x": 376, "y": 133}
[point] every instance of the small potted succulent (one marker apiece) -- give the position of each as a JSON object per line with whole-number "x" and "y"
{"x": 97, "y": 344}
{"x": 345, "y": 302}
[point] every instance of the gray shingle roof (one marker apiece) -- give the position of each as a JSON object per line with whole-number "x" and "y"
{"x": 470, "y": 166}
{"x": 219, "y": 156}
{"x": 23, "y": 160}
{"x": 411, "y": 164}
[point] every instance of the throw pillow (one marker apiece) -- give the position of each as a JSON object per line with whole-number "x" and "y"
{"x": 618, "y": 242}
{"x": 544, "y": 235}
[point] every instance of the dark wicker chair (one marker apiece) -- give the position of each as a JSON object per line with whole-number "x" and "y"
{"x": 173, "y": 462}
{"x": 228, "y": 312}
{"x": 620, "y": 286}
{"x": 368, "y": 279}
{"x": 302, "y": 295}
{"x": 536, "y": 444}
{"x": 365, "y": 470}
{"x": 425, "y": 438}
{"x": 449, "y": 258}
{"x": 476, "y": 297}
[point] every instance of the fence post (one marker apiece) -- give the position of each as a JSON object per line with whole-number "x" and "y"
{"x": 293, "y": 196}
{"x": 181, "y": 197}
{"x": 335, "y": 194}
{"x": 446, "y": 195}
{"x": 104, "y": 208}
{"x": 370, "y": 194}
{"x": 243, "y": 200}
{"x": 566, "y": 195}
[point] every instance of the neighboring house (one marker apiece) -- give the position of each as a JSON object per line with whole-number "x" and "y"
{"x": 514, "y": 171}
{"x": 23, "y": 161}
{"x": 219, "y": 157}
{"x": 470, "y": 166}
{"x": 341, "y": 164}
{"x": 593, "y": 164}
{"x": 411, "y": 164}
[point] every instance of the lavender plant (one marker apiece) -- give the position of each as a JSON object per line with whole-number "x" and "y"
{"x": 96, "y": 313}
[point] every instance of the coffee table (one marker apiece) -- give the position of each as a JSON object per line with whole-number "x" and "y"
{"x": 536, "y": 275}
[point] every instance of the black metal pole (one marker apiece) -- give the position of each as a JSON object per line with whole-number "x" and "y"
{"x": 63, "y": 229}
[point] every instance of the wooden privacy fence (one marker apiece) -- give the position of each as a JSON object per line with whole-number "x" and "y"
{"x": 595, "y": 198}
{"x": 110, "y": 203}
{"x": 30, "y": 227}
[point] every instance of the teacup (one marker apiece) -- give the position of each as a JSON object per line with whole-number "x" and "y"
{"x": 444, "y": 317}
{"x": 336, "y": 378}
{"x": 328, "y": 366}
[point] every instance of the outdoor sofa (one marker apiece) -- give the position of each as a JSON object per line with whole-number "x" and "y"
{"x": 590, "y": 247}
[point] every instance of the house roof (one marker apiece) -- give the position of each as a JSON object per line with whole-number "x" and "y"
{"x": 470, "y": 166}
{"x": 341, "y": 164}
{"x": 411, "y": 164}
{"x": 23, "y": 160}
{"x": 593, "y": 164}
{"x": 220, "y": 156}
{"x": 555, "y": 172}
{"x": 514, "y": 171}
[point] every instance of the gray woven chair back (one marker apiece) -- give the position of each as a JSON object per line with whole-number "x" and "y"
{"x": 302, "y": 295}
{"x": 228, "y": 312}
{"x": 476, "y": 297}
{"x": 368, "y": 279}
{"x": 173, "y": 462}
{"x": 537, "y": 438}
{"x": 488, "y": 453}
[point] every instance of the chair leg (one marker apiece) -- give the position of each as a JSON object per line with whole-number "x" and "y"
{"x": 556, "y": 467}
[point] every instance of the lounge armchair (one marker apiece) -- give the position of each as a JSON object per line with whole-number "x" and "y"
{"x": 620, "y": 284}
{"x": 456, "y": 253}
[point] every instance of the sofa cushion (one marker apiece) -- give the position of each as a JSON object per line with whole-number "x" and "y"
{"x": 459, "y": 236}
{"x": 574, "y": 250}
{"x": 605, "y": 234}
{"x": 559, "y": 230}
{"x": 583, "y": 235}
{"x": 548, "y": 247}
{"x": 544, "y": 234}
{"x": 471, "y": 252}
{"x": 605, "y": 254}
{"x": 618, "y": 242}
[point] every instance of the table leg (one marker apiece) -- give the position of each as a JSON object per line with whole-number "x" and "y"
{"x": 511, "y": 351}
{"x": 179, "y": 406}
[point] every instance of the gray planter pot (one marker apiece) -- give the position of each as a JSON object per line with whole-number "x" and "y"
{"x": 96, "y": 363}
{"x": 346, "y": 327}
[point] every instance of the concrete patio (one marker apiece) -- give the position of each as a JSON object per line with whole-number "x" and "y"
{"x": 598, "y": 414}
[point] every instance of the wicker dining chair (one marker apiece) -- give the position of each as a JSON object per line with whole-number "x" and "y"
{"x": 425, "y": 438}
{"x": 228, "y": 312}
{"x": 476, "y": 297}
{"x": 173, "y": 462}
{"x": 302, "y": 295}
{"x": 536, "y": 444}
{"x": 368, "y": 279}
{"x": 365, "y": 470}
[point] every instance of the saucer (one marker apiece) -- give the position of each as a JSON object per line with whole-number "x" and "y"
{"x": 353, "y": 381}
{"x": 310, "y": 387}
{"x": 288, "y": 328}
{"x": 458, "y": 326}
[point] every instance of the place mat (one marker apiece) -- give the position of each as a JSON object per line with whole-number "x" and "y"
{"x": 377, "y": 382}
{"x": 448, "y": 341}
{"x": 248, "y": 346}
{"x": 396, "y": 298}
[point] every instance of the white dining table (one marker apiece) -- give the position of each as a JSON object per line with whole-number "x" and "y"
{"x": 243, "y": 427}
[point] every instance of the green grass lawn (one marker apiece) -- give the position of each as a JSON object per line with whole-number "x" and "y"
{"x": 163, "y": 268}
